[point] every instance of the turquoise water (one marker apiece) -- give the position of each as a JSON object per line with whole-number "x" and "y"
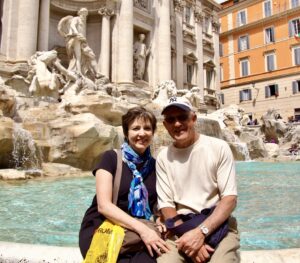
{"x": 49, "y": 211}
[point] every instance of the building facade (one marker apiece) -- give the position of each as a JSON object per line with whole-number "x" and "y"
{"x": 182, "y": 37}
{"x": 260, "y": 56}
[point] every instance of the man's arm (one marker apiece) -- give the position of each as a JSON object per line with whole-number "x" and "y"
{"x": 193, "y": 240}
{"x": 223, "y": 210}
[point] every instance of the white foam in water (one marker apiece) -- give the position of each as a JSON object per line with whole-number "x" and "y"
{"x": 25, "y": 155}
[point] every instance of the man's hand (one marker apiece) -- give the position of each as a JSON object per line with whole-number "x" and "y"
{"x": 191, "y": 242}
{"x": 203, "y": 254}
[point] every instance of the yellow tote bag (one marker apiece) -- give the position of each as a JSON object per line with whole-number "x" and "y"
{"x": 106, "y": 244}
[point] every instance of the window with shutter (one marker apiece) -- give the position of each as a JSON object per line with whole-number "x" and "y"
{"x": 222, "y": 98}
{"x": 267, "y": 92}
{"x": 276, "y": 90}
{"x": 294, "y": 3}
{"x": 189, "y": 73}
{"x": 241, "y": 18}
{"x": 244, "y": 65}
{"x": 221, "y": 49}
{"x": 245, "y": 95}
{"x": 271, "y": 90}
{"x": 267, "y": 8}
{"x": 269, "y": 35}
{"x": 297, "y": 55}
{"x": 296, "y": 86}
{"x": 270, "y": 62}
{"x": 294, "y": 27}
{"x": 243, "y": 43}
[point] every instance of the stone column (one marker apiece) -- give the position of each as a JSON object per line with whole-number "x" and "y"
{"x": 43, "y": 37}
{"x": 103, "y": 63}
{"x": 125, "y": 54}
{"x": 215, "y": 28}
{"x": 179, "y": 43}
{"x": 199, "y": 35}
{"x": 164, "y": 41}
{"x": 20, "y": 29}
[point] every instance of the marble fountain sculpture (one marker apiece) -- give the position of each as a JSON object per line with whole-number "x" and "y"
{"x": 59, "y": 118}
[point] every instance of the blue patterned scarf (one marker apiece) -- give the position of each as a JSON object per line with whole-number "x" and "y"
{"x": 138, "y": 203}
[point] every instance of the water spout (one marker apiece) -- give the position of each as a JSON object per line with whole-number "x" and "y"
{"x": 25, "y": 155}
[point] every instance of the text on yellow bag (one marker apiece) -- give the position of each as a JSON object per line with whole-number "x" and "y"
{"x": 106, "y": 244}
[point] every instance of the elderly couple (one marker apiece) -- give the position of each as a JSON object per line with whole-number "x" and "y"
{"x": 194, "y": 173}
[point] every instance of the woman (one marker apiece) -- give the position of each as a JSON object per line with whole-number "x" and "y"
{"x": 137, "y": 193}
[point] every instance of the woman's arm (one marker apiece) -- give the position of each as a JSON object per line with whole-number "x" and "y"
{"x": 104, "y": 189}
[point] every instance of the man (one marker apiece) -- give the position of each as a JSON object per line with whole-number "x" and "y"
{"x": 196, "y": 172}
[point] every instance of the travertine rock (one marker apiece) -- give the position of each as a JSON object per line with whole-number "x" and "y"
{"x": 76, "y": 140}
{"x": 7, "y": 101}
{"x": 6, "y": 141}
{"x": 255, "y": 144}
{"x": 13, "y": 174}
{"x": 272, "y": 149}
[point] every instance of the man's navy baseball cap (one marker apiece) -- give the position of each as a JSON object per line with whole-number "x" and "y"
{"x": 179, "y": 102}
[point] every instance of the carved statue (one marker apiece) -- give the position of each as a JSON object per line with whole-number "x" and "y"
{"x": 48, "y": 75}
{"x": 140, "y": 53}
{"x": 82, "y": 57}
{"x": 164, "y": 91}
{"x": 141, "y": 3}
{"x": 194, "y": 97}
{"x": 43, "y": 81}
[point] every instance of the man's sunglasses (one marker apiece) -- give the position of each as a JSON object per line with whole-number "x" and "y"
{"x": 180, "y": 118}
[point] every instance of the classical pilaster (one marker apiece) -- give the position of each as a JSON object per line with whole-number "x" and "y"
{"x": 125, "y": 54}
{"x": 43, "y": 36}
{"x": 178, "y": 6}
{"x": 199, "y": 35}
{"x": 104, "y": 59}
{"x": 164, "y": 41}
{"x": 215, "y": 29}
{"x": 20, "y": 29}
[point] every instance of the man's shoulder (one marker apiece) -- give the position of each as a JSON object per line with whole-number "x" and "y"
{"x": 162, "y": 152}
{"x": 214, "y": 140}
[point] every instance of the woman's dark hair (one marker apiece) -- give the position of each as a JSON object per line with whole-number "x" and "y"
{"x": 137, "y": 112}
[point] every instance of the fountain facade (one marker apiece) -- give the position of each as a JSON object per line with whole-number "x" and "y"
{"x": 69, "y": 100}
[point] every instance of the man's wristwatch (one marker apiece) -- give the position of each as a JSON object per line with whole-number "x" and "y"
{"x": 204, "y": 230}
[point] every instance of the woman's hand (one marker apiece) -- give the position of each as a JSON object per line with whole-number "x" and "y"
{"x": 153, "y": 241}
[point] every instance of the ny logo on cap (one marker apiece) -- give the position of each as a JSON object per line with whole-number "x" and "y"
{"x": 172, "y": 99}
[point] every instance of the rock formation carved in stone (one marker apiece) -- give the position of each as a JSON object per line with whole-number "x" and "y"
{"x": 194, "y": 96}
{"x": 164, "y": 91}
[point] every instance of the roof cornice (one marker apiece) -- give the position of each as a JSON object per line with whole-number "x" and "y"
{"x": 260, "y": 21}
{"x": 239, "y": 6}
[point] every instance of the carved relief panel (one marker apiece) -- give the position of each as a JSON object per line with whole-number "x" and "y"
{"x": 142, "y": 4}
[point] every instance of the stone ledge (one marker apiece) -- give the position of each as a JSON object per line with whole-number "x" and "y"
{"x": 27, "y": 253}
